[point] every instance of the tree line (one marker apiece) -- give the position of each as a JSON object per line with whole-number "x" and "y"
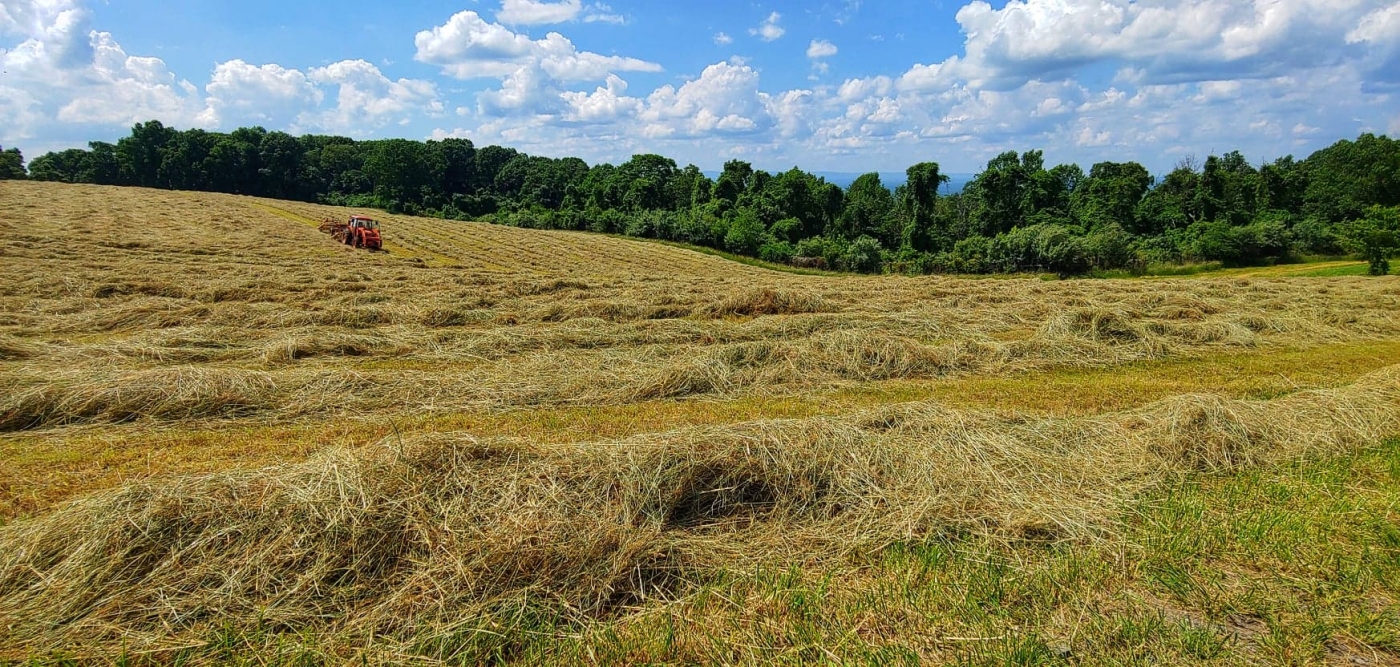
{"x": 1017, "y": 215}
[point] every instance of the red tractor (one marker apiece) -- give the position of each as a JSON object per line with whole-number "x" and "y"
{"x": 360, "y": 232}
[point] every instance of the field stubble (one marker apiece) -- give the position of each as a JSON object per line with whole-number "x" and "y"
{"x": 184, "y": 311}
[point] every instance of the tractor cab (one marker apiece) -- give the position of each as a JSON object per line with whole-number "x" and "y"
{"x": 363, "y": 232}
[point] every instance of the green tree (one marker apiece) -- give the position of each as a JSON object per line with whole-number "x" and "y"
{"x": 868, "y": 204}
{"x": 487, "y": 163}
{"x": 690, "y": 188}
{"x": 1173, "y": 204}
{"x": 11, "y": 164}
{"x": 65, "y": 166}
{"x": 140, "y": 153}
{"x": 733, "y": 182}
{"x": 1376, "y": 237}
{"x": 457, "y": 158}
{"x": 646, "y": 181}
{"x": 279, "y": 160}
{"x": 998, "y": 192}
{"x": 863, "y": 255}
{"x": 1111, "y": 194}
{"x": 399, "y": 169}
{"x": 1346, "y": 178}
{"x": 920, "y": 202}
{"x": 1228, "y": 188}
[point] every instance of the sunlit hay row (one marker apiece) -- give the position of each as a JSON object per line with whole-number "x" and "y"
{"x": 484, "y": 315}
{"x": 416, "y": 537}
{"x": 123, "y": 305}
{"x": 453, "y": 335}
{"x": 311, "y": 372}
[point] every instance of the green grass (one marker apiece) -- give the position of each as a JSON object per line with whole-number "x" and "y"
{"x": 749, "y": 261}
{"x": 1290, "y": 565}
{"x": 1357, "y": 269}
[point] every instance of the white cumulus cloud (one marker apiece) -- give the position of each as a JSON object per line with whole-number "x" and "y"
{"x": 367, "y": 100}
{"x": 533, "y": 12}
{"x": 240, "y": 93}
{"x": 820, "y": 48}
{"x": 769, "y": 30}
{"x": 469, "y": 47}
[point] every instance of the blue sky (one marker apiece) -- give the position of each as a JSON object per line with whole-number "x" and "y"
{"x": 841, "y": 85}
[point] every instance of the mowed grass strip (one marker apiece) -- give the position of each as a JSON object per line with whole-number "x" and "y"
{"x": 39, "y": 470}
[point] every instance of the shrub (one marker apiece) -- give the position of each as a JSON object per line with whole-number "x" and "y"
{"x": 644, "y": 224}
{"x": 746, "y": 234}
{"x": 863, "y": 255}
{"x": 610, "y": 221}
{"x": 1110, "y": 247}
{"x": 1038, "y": 248}
{"x": 828, "y": 248}
{"x": 1214, "y": 241}
{"x": 1316, "y": 236}
{"x": 1060, "y": 251}
{"x": 780, "y": 252}
{"x": 692, "y": 227}
{"x": 1375, "y": 237}
{"x": 787, "y": 229}
{"x": 972, "y": 255}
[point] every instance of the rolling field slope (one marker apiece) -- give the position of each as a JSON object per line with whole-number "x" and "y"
{"x": 225, "y": 437}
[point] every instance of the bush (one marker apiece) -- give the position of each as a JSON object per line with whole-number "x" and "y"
{"x": 863, "y": 255}
{"x": 1316, "y": 236}
{"x": 1267, "y": 238}
{"x": 645, "y": 224}
{"x": 1378, "y": 246}
{"x": 779, "y": 252}
{"x": 610, "y": 221}
{"x": 746, "y": 234}
{"x": 692, "y": 227}
{"x": 1038, "y": 248}
{"x": 1375, "y": 237}
{"x": 1060, "y": 251}
{"x": 1110, "y": 247}
{"x": 788, "y": 229}
{"x": 909, "y": 261}
{"x": 1214, "y": 241}
{"x": 972, "y": 255}
{"x": 828, "y": 248}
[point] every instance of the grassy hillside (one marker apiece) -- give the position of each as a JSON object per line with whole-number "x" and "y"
{"x": 225, "y": 437}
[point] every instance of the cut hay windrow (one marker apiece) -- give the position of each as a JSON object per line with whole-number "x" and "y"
{"x": 409, "y": 539}
{"x": 576, "y": 362}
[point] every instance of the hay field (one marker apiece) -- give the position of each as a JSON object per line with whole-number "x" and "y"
{"x": 217, "y": 425}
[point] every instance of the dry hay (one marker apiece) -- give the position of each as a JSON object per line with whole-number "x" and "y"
{"x": 172, "y": 394}
{"x": 579, "y": 360}
{"x": 411, "y": 540}
{"x": 183, "y": 321}
{"x": 766, "y": 301}
{"x": 186, "y": 320}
